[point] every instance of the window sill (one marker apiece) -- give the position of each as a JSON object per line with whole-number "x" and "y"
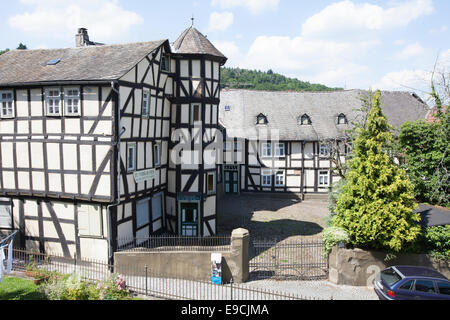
{"x": 91, "y": 237}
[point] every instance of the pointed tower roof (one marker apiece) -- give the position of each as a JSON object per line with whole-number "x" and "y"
{"x": 193, "y": 41}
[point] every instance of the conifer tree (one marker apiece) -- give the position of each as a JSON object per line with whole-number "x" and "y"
{"x": 377, "y": 201}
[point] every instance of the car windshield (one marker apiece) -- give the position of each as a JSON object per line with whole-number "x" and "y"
{"x": 390, "y": 276}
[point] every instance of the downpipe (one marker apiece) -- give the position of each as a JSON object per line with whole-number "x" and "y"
{"x": 117, "y": 201}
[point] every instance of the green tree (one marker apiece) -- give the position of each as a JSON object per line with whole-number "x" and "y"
{"x": 426, "y": 148}
{"x": 22, "y": 47}
{"x": 377, "y": 201}
{"x": 3, "y": 51}
{"x": 257, "y": 80}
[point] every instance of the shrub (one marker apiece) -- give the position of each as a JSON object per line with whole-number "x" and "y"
{"x": 437, "y": 242}
{"x": 73, "y": 287}
{"x": 113, "y": 289}
{"x": 377, "y": 201}
{"x": 332, "y": 236}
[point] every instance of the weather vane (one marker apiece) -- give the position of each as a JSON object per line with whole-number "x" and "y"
{"x": 192, "y": 20}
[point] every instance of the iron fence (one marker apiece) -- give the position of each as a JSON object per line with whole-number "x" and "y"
{"x": 289, "y": 259}
{"x": 175, "y": 243}
{"x": 149, "y": 284}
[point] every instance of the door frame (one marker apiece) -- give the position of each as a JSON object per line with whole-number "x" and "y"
{"x": 238, "y": 170}
{"x": 180, "y": 216}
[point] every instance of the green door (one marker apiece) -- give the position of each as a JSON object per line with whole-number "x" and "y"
{"x": 190, "y": 219}
{"x": 231, "y": 182}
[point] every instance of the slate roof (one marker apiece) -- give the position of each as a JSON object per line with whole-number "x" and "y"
{"x": 192, "y": 41}
{"x": 90, "y": 63}
{"x": 284, "y": 109}
{"x": 433, "y": 216}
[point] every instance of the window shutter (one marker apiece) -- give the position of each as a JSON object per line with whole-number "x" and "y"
{"x": 156, "y": 207}
{"x": 95, "y": 221}
{"x": 5, "y": 214}
{"x": 83, "y": 220}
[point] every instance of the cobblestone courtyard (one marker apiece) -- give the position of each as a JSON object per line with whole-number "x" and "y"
{"x": 287, "y": 219}
{"x": 272, "y": 216}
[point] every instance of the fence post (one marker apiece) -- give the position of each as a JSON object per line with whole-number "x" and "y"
{"x": 231, "y": 288}
{"x": 146, "y": 281}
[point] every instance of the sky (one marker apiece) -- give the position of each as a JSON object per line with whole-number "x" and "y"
{"x": 388, "y": 45}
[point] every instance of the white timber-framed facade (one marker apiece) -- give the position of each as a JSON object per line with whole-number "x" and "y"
{"x": 282, "y": 140}
{"x": 85, "y": 142}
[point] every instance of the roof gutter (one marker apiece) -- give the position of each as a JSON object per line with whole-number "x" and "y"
{"x": 51, "y": 83}
{"x": 117, "y": 198}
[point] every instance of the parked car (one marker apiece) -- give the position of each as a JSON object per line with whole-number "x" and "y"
{"x": 411, "y": 283}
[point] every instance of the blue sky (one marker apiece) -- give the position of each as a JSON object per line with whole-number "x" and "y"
{"x": 390, "y": 45}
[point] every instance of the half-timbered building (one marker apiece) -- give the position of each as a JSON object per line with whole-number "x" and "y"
{"x": 85, "y": 142}
{"x": 279, "y": 142}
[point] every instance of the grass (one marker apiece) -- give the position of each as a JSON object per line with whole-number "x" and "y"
{"x": 19, "y": 289}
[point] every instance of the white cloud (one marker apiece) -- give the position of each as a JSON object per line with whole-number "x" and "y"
{"x": 230, "y": 50}
{"x": 346, "y": 17}
{"x": 405, "y": 80}
{"x": 411, "y": 51}
{"x": 105, "y": 19}
{"x": 418, "y": 80}
{"x": 220, "y": 21}
{"x": 254, "y": 6}
{"x": 330, "y": 62}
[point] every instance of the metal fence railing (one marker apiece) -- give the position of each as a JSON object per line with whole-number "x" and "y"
{"x": 289, "y": 259}
{"x": 175, "y": 243}
{"x": 150, "y": 284}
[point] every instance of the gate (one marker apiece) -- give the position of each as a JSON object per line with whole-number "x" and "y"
{"x": 288, "y": 260}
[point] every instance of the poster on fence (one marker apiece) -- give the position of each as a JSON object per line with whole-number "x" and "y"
{"x": 216, "y": 268}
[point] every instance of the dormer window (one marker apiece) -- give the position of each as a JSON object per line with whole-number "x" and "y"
{"x": 342, "y": 119}
{"x": 261, "y": 119}
{"x": 305, "y": 120}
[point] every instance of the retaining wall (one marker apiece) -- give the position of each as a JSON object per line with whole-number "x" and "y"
{"x": 189, "y": 265}
{"x": 356, "y": 267}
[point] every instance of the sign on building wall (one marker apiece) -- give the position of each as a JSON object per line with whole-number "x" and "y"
{"x": 144, "y": 175}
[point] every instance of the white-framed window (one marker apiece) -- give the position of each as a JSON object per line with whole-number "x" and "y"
{"x": 72, "y": 101}
{"x": 211, "y": 183}
{"x": 131, "y": 157}
{"x": 89, "y": 220}
{"x": 145, "y": 103}
{"x": 165, "y": 63}
{"x": 280, "y": 150}
{"x": 196, "y": 113}
{"x": 266, "y": 178}
{"x": 53, "y": 101}
{"x": 266, "y": 149}
{"x": 7, "y": 104}
{"x": 324, "y": 150}
{"x": 324, "y": 178}
{"x": 279, "y": 179}
{"x": 157, "y": 154}
{"x": 227, "y": 145}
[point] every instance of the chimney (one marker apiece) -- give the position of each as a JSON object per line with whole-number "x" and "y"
{"x": 82, "y": 38}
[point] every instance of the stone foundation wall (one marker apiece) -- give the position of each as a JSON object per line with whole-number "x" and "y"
{"x": 356, "y": 267}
